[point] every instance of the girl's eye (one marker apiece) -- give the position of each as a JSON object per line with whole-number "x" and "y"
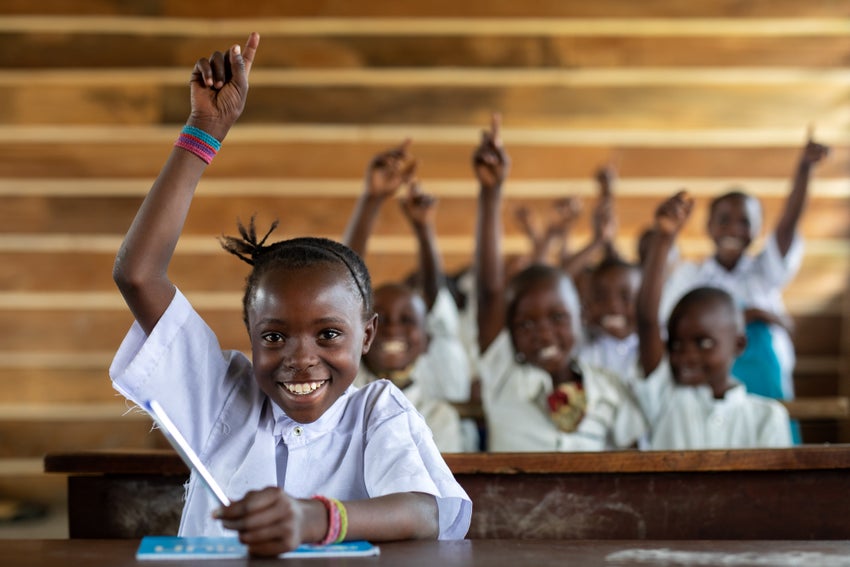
{"x": 706, "y": 343}
{"x": 272, "y": 337}
{"x": 329, "y": 334}
{"x": 675, "y": 346}
{"x": 559, "y": 317}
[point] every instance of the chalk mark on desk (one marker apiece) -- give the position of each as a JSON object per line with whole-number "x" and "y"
{"x": 666, "y": 556}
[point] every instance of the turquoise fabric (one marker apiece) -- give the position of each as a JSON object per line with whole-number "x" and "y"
{"x": 758, "y": 368}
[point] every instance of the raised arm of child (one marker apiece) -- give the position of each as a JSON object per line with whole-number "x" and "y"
{"x": 385, "y": 174}
{"x": 538, "y": 240}
{"x": 566, "y": 210}
{"x": 219, "y": 87}
{"x": 812, "y": 154}
{"x": 604, "y": 230}
{"x": 420, "y": 210}
{"x": 490, "y": 163}
{"x": 669, "y": 220}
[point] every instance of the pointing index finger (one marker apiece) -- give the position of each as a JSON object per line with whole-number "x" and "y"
{"x": 495, "y": 128}
{"x": 250, "y": 50}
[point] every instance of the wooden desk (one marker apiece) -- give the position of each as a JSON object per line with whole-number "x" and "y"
{"x": 467, "y": 553}
{"x": 792, "y": 494}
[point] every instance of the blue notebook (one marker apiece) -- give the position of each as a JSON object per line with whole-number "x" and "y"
{"x": 153, "y": 548}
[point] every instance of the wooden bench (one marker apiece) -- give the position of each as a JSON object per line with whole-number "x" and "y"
{"x": 796, "y": 493}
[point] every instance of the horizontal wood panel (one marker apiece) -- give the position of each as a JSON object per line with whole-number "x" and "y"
{"x": 671, "y": 106}
{"x": 34, "y": 439}
{"x": 97, "y": 331}
{"x": 824, "y": 218}
{"x": 441, "y": 8}
{"x": 437, "y": 134}
{"x": 56, "y": 385}
{"x": 20, "y": 50}
{"x": 340, "y": 160}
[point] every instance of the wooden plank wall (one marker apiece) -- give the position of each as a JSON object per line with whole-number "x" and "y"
{"x": 702, "y": 95}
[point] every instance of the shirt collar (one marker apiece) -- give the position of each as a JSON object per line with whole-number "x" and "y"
{"x": 287, "y": 428}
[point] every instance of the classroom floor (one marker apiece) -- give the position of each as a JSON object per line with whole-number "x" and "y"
{"x": 52, "y": 524}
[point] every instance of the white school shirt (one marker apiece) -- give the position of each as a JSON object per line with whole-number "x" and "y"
{"x": 754, "y": 282}
{"x": 442, "y": 419}
{"x": 689, "y": 417}
{"x": 515, "y": 404}
{"x": 618, "y": 357}
{"x": 370, "y": 442}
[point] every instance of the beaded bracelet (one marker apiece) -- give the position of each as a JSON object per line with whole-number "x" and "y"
{"x": 343, "y": 520}
{"x": 198, "y": 142}
{"x": 334, "y": 523}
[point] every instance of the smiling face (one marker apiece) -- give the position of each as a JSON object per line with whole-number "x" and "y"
{"x": 541, "y": 326}
{"x": 307, "y": 334}
{"x": 611, "y": 296}
{"x": 733, "y": 223}
{"x": 705, "y": 339}
{"x": 401, "y": 336}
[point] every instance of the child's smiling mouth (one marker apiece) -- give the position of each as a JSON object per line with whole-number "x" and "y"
{"x": 393, "y": 346}
{"x": 302, "y": 388}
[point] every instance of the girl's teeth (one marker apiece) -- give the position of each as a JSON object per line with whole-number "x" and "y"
{"x": 549, "y": 352}
{"x": 301, "y": 388}
{"x": 613, "y": 322}
{"x": 394, "y": 346}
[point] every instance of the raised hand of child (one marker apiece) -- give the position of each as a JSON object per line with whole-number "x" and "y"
{"x": 490, "y": 161}
{"x": 813, "y": 152}
{"x": 673, "y": 213}
{"x": 604, "y": 221}
{"x": 606, "y": 176}
{"x": 525, "y": 219}
{"x": 567, "y": 210}
{"x": 419, "y": 207}
{"x": 269, "y": 521}
{"x": 219, "y": 88}
{"x": 389, "y": 170}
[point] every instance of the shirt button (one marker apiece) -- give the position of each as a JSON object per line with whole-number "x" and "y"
{"x": 298, "y": 431}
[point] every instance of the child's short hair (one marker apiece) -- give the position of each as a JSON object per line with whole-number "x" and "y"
{"x": 706, "y": 295}
{"x": 612, "y": 263}
{"x": 295, "y": 253}
{"x": 534, "y": 274}
{"x": 738, "y": 193}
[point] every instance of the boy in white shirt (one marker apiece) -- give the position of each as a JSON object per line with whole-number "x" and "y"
{"x": 689, "y": 395}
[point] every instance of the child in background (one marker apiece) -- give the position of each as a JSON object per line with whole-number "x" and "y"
{"x": 610, "y": 314}
{"x": 755, "y": 282}
{"x": 536, "y": 395}
{"x": 286, "y": 426}
{"x": 416, "y": 346}
{"x": 689, "y": 395}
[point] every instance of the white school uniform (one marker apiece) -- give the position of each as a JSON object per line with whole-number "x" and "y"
{"x": 515, "y": 404}
{"x": 370, "y": 442}
{"x": 689, "y": 417}
{"x": 755, "y": 282}
{"x": 618, "y": 357}
{"x": 442, "y": 419}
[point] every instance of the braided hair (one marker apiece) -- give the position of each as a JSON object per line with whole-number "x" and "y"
{"x": 294, "y": 253}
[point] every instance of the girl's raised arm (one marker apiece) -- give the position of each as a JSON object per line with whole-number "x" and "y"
{"x": 669, "y": 220}
{"x": 490, "y": 163}
{"x": 219, "y": 87}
